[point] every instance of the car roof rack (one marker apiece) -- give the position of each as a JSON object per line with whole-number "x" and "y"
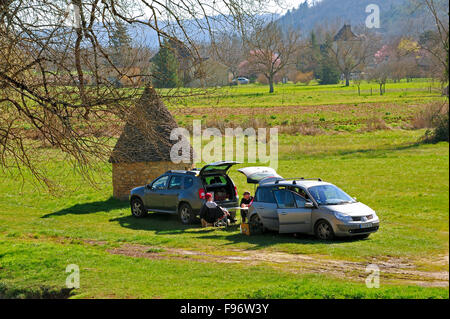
{"x": 293, "y": 179}
{"x": 180, "y": 171}
{"x": 311, "y": 179}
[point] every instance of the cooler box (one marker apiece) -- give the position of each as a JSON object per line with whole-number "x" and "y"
{"x": 245, "y": 229}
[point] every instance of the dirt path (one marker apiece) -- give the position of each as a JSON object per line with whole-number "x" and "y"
{"x": 393, "y": 270}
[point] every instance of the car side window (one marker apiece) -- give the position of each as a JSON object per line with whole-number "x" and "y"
{"x": 188, "y": 182}
{"x": 285, "y": 199}
{"x": 265, "y": 195}
{"x": 160, "y": 183}
{"x": 301, "y": 192}
{"x": 299, "y": 201}
{"x": 175, "y": 182}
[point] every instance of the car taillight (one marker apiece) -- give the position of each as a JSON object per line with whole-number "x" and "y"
{"x": 251, "y": 203}
{"x": 235, "y": 191}
{"x": 201, "y": 193}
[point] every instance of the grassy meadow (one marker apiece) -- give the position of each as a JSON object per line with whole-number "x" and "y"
{"x": 369, "y": 145}
{"x": 257, "y": 95}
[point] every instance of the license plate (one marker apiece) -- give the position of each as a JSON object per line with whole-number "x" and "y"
{"x": 366, "y": 225}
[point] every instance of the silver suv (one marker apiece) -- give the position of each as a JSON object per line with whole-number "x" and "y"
{"x": 309, "y": 206}
{"x": 183, "y": 192}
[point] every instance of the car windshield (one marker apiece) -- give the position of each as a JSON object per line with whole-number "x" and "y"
{"x": 329, "y": 195}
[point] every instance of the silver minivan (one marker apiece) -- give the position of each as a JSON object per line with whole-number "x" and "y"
{"x": 309, "y": 206}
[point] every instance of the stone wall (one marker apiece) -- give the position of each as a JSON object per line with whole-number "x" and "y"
{"x": 127, "y": 176}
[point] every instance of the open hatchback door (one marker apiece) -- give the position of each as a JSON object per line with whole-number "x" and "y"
{"x": 259, "y": 174}
{"x": 217, "y": 168}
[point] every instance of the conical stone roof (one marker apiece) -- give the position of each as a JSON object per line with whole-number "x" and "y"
{"x": 146, "y": 135}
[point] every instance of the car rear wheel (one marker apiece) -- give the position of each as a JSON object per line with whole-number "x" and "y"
{"x": 324, "y": 230}
{"x": 137, "y": 208}
{"x": 185, "y": 214}
{"x": 256, "y": 225}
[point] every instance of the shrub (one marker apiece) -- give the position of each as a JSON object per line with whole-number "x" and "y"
{"x": 262, "y": 79}
{"x": 304, "y": 78}
{"x": 426, "y": 117}
{"x": 375, "y": 124}
{"x": 440, "y": 124}
{"x": 440, "y": 132}
{"x": 40, "y": 292}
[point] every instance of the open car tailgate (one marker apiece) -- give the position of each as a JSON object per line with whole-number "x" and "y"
{"x": 259, "y": 174}
{"x": 217, "y": 167}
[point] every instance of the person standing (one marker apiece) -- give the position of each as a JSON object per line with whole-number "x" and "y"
{"x": 245, "y": 203}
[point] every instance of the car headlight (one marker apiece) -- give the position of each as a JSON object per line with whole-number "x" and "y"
{"x": 343, "y": 217}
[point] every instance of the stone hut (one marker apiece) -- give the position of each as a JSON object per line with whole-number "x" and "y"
{"x": 142, "y": 152}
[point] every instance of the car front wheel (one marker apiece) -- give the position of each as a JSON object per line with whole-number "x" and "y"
{"x": 324, "y": 230}
{"x": 137, "y": 208}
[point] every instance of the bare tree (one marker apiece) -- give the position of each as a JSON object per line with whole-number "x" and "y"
{"x": 270, "y": 50}
{"x": 436, "y": 41}
{"x": 352, "y": 52}
{"x": 380, "y": 74}
{"x": 404, "y": 58}
{"x": 229, "y": 50}
{"x": 58, "y": 80}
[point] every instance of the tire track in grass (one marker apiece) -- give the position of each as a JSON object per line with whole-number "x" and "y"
{"x": 396, "y": 270}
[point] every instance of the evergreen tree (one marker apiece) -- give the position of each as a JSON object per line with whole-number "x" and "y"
{"x": 165, "y": 68}
{"x": 315, "y": 54}
{"x": 120, "y": 44}
{"x": 120, "y": 37}
{"x": 327, "y": 72}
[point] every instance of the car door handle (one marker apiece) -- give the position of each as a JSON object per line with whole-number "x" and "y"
{"x": 283, "y": 213}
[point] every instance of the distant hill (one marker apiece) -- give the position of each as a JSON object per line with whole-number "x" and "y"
{"x": 198, "y": 30}
{"x": 397, "y": 17}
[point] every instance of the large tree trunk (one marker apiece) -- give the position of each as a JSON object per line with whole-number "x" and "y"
{"x": 347, "y": 79}
{"x": 270, "y": 84}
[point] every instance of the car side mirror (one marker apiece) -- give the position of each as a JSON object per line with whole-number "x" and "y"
{"x": 309, "y": 205}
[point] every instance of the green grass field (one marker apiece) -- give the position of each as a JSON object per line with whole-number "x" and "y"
{"x": 256, "y": 95}
{"x": 328, "y": 108}
{"x": 122, "y": 257}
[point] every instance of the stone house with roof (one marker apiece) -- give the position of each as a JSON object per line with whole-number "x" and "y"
{"x": 142, "y": 151}
{"x": 345, "y": 34}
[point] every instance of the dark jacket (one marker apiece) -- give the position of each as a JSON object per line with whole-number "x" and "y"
{"x": 210, "y": 215}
